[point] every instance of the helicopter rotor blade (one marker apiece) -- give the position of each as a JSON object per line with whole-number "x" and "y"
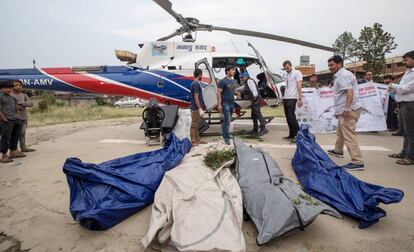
{"x": 274, "y": 37}
{"x": 176, "y": 33}
{"x": 167, "y": 6}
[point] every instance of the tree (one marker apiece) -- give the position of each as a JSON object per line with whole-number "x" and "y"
{"x": 345, "y": 45}
{"x": 372, "y": 45}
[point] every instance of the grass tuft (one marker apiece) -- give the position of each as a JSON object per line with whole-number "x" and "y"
{"x": 216, "y": 158}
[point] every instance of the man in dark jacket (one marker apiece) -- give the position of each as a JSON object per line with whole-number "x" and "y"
{"x": 250, "y": 88}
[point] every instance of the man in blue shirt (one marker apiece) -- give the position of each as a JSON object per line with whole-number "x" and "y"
{"x": 197, "y": 107}
{"x": 225, "y": 97}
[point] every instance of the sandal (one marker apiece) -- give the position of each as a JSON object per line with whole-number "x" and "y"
{"x": 398, "y": 155}
{"x": 405, "y": 161}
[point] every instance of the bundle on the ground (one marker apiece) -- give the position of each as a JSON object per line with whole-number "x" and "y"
{"x": 102, "y": 195}
{"x": 326, "y": 181}
{"x": 275, "y": 204}
{"x": 197, "y": 209}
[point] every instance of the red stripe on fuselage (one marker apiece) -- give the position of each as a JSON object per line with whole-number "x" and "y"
{"x": 102, "y": 87}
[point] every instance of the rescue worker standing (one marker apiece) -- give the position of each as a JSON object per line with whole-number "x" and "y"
{"x": 250, "y": 89}
{"x": 197, "y": 108}
{"x": 226, "y": 90}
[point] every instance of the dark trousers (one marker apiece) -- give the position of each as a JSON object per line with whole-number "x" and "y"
{"x": 392, "y": 116}
{"x": 400, "y": 122}
{"x": 10, "y": 133}
{"x": 289, "y": 105}
{"x": 406, "y": 110}
{"x": 257, "y": 116}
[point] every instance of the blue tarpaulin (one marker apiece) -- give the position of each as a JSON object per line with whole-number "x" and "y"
{"x": 102, "y": 195}
{"x": 328, "y": 182}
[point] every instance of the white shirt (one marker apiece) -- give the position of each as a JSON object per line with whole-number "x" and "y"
{"x": 344, "y": 80}
{"x": 405, "y": 90}
{"x": 252, "y": 87}
{"x": 292, "y": 78}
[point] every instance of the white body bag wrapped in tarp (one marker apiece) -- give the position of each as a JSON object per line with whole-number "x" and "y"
{"x": 197, "y": 209}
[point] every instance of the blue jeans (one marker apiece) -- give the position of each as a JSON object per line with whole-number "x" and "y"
{"x": 228, "y": 109}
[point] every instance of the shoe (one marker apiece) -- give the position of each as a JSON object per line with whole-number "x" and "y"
{"x": 28, "y": 150}
{"x": 263, "y": 132}
{"x": 405, "y": 161}
{"x": 201, "y": 142}
{"x": 293, "y": 140}
{"x": 396, "y": 155}
{"x": 354, "y": 167}
{"x": 397, "y": 133}
{"x": 253, "y": 132}
{"x": 336, "y": 154}
{"x": 226, "y": 141}
{"x": 288, "y": 137}
{"x": 17, "y": 154}
{"x": 6, "y": 159}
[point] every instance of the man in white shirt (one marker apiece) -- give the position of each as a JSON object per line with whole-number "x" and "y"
{"x": 250, "y": 89}
{"x": 293, "y": 96}
{"x": 347, "y": 110}
{"x": 368, "y": 78}
{"x": 404, "y": 95}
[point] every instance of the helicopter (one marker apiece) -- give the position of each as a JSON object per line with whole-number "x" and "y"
{"x": 163, "y": 69}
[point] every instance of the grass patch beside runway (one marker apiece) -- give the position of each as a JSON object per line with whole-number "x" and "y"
{"x": 56, "y": 114}
{"x": 65, "y": 114}
{"x": 268, "y": 111}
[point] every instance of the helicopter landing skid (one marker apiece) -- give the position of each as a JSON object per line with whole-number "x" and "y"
{"x": 216, "y": 120}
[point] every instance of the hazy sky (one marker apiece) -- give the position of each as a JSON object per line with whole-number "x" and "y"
{"x": 86, "y": 32}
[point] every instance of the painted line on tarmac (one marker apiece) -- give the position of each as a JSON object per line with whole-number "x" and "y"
{"x": 325, "y": 147}
{"x": 250, "y": 123}
{"x": 122, "y": 141}
{"x": 260, "y": 145}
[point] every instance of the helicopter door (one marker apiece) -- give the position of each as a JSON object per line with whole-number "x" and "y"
{"x": 209, "y": 84}
{"x": 271, "y": 83}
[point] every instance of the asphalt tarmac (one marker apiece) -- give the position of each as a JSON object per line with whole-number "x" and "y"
{"x": 34, "y": 196}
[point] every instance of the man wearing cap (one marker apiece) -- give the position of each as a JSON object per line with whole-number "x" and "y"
{"x": 347, "y": 110}
{"x": 250, "y": 89}
{"x": 10, "y": 123}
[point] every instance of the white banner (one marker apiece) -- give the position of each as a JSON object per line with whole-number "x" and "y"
{"x": 318, "y": 108}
